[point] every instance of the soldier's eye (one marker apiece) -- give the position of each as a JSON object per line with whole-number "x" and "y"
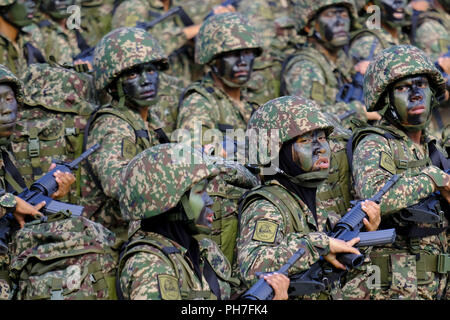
{"x": 401, "y": 88}
{"x": 132, "y": 75}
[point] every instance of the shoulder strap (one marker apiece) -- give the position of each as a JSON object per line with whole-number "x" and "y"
{"x": 437, "y": 158}
{"x": 367, "y": 32}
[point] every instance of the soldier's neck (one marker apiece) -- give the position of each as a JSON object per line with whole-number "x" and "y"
{"x": 8, "y": 30}
{"x": 393, "y": 31}
{"x": 166, "y": 5}
{"x": 437, "y": 5}
{"x": 416, "y": 136}
{"x": 233, "y": 93}
{"x": 329, "y": 54}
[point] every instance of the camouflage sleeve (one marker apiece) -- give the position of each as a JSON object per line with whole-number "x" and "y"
{"x": 111, "y": 133}
{"x": 196, "y": 108}
{"x": 360, "y": 48}
{"x": 170, "y": 36}
{"x": 299, "y": 78}
{"x": 140, "y": 276}
{"x": 7, "y": 201}
{"x": 369, "y": 176}
{"x": 266, "y": 243}
{"x": 429, "y": 37}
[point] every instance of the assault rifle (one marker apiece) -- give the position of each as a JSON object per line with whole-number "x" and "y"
{"x": 185, "y": 19}
{"x": 427, "y": 210}
{"x": 261, "y": 290}
{"x": 354, "y": 91}
{"x": 234, "y": 3}
{"x": 41, "y": 190}
{"x": 323, "y": 275}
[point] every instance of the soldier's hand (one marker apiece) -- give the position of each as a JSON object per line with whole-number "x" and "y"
{"x": 24, "y": 209}
{"x": 373, "y": 211}
{"x": 64, "y": 181}
{"x": 223, "y": 9}
{"x": 444, "y": 62}
{"x": 340, "y": 246}
{"x": 191, "y": 31}
{"x": 280, "y": 285}
{"x": 373, "y": 115}
{"x": 362, "y": 66}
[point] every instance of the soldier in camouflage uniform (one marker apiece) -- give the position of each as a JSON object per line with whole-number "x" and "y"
{"x": 126, "y": 65}
{"x": 163, "y": 260}
{"x": 11, "y": 94}
{"x": 96, "y": 18}
{"x": 402, "y": 84}
{"x": 20, "y": 38}
{"x": 282, "y": 216}
{"x": 228, "y": 44}
{"x": 321, "y": 67}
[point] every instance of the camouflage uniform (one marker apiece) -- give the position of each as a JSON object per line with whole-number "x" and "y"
{"x": 96, "y": 18}
{"x": 309, "y": 72}
{"x": 120, "y": 130}
{"x": 268, "y": 236}
{"x": 7, "y": 200}
{"x": 204, "y": 102}
{"x": 147, "y": 271}
{"x": 408, "y": 267}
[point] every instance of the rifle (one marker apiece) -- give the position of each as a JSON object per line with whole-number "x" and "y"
{"x": 427, "y": 210}
{"x": 354, "y": 91}
{"x": 41, "y": 190}
{"x": 234, "y": 3}
{"x": 323, "y": 275}
{"x": 185, "y": 19}
{"x": 261, "y": 290}
{"x": 445, "y": 75}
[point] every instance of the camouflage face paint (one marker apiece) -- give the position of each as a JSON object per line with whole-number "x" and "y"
{"x": 411, "y": 99}
{"x": 21, "y": 13}
{"x": 393, "y": 11}
{"x": 235, "y": 67}
{"x": 200, "y": 202}
{"x": 57, "y": 8}
{"x": 8, "y": 110}
{"x": 140, "y": 85}
{"x": 311, "y": 151}
{"x": 333, "y": 26}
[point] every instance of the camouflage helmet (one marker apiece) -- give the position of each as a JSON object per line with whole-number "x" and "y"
{"x": 305, "y": 10}
{"x": 395, "y": 63}
{"x": 121, "y": 50}
{"x": 224, "y": 33}
{"x": 142, "y": 193}
{"x": 7, "y": 77}
{"x": 290, "y": 116}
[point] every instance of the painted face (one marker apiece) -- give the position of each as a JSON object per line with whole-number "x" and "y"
{"x": 57, "y": 8}
{"x": 393, "y": 11}
{"x": 140, "y": 85}
{"x": 411, "y": 99}
{"x": 333, "y": 26}
{"x": 8, "y": 110}
{"x": 200, "y": 203}
{"x": 311, "y": 151}
{"x": 235, "y": 67}
{"x": 21, "y": 13}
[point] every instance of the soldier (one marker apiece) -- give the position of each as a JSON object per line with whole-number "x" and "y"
{"x": 402, "y": 84}
{"x": 20, "y": 39}
{"x": 62, "y": 43}
{"x": 282, "y": 216}
{"x": 321, "y": 67}
{"x": 96, "y": 18}
{"x": 11, "y": 94}
{"x": 228, "y": 44}
{"x": 127, "y": 62}
{"x": 163, "y": 260}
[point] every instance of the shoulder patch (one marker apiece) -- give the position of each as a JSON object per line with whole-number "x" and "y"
{"x": 387, "y": 163}
{"x": 265, "y": 231}
{"x": 318, "y": 91}
{"x": 129, "y": 148}
{"x": 168, "y": 287}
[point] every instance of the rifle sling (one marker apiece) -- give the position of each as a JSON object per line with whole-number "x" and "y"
{"x": 13, "y": 177}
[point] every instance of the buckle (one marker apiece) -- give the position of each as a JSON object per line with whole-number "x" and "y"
{"x": 70, "y": 131}
{"x": 56, "y": 295}
{"x": 33, "y": 147}
{"x": 443, "y": 263}
{"x": 403, "y": 164}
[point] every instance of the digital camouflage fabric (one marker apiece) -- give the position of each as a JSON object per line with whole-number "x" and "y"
{"x": 393, "y": 64}
{"x": 66, "y": 258}
{"x": 408, "y": 268}
{"x": 224, "y": 33}
{"x": 7, "y": 77}
{"x": 179, "y": 166}
{"x": 122, "y": 49}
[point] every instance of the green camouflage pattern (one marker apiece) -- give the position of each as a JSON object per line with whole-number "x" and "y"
{"x": 96, "y": 20}
{"x": 7, "y": 201}
{"x": 292, "y": 116}
{"x": 122, "y": 49}
{"x": 370, "y": 173}
{"x": 7, "y": 77}
{"x": 146, "y": 266}
{"x": 73, "y": 257}
{"x": 395, "y": 63}
{"x": 138, "y": 198}
{"x": 224, "y": 33}
{"x": 304, "y": 10}
{"x": 446, "y": 137}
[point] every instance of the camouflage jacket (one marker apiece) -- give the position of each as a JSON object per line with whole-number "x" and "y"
{"x": 119, "y": 144}
{"x": 375, "y": 160}
{"x": 147, "y": 273}
{"x": 311, "y": 74}
{"x": 205, "y": 104}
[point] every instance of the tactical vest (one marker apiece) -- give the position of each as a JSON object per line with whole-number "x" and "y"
{"x": 173, "y": 257}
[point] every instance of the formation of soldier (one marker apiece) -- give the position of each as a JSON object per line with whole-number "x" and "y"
{"x": 232, "y": 136}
